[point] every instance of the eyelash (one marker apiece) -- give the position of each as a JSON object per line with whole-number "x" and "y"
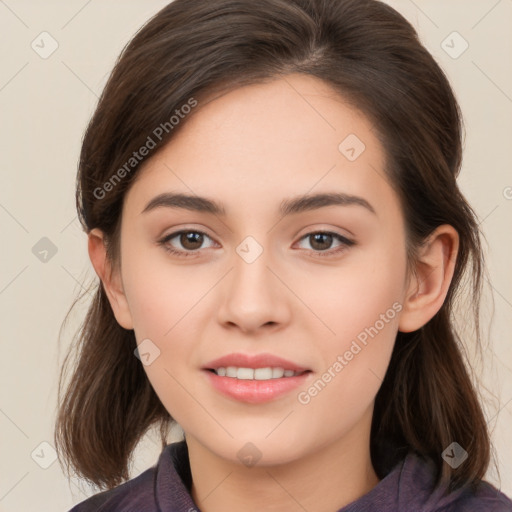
{"x": 327, "y": 253}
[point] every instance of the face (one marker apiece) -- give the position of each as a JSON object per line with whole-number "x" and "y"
{"x": 318, "y": 284}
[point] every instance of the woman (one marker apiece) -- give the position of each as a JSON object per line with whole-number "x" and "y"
{"x": 269, "y": 192}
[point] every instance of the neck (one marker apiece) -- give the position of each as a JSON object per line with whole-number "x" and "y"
{"x": 326, "y": 480}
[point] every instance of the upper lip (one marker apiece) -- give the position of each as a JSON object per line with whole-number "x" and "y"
{"x": 264, "y": 360}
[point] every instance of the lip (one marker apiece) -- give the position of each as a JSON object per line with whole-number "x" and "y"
{"x": 255, "y": 391}
{"x": 263, "y": 360}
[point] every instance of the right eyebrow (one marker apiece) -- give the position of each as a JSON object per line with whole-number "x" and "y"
{"x": 184, "y": 201}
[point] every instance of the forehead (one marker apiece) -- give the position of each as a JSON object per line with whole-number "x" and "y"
{"x": 283, "y": 138}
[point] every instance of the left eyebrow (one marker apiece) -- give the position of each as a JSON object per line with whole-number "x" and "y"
{"x": 287, "y": 207}
{"x": 316, "y": 201}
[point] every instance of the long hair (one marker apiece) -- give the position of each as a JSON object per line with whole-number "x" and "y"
{"x": 370, "y": 55}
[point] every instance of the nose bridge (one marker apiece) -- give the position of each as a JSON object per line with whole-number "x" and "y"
{"x": 253, "y": 295}
{"x": 251, "y": 278}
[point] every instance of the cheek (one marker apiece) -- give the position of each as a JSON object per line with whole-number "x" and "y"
{"x": 355, "y": 363}
{"x": 159, "y": 294}
{"x": 358, "y": 293}
{"x": 360, "y": 304}
{"x": 163, "y": 301}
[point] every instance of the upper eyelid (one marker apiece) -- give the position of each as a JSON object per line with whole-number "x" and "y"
{"x": 174, "y": 234}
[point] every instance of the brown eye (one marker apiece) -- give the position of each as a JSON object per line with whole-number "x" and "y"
{"x": 185, "y": 242}
{"x": 191, "y": 240}
{"x": 321, "y": 241}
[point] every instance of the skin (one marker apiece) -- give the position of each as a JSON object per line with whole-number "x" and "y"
{"x": 250, "y": 149}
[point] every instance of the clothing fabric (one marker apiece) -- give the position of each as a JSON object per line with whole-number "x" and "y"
{"x": 407, "y": 487}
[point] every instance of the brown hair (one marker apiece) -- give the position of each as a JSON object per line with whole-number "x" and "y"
{"x": 372, "y": 56}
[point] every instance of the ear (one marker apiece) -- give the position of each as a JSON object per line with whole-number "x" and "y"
{"x": 111, "y": 279}
{"x": 434, "y": 271}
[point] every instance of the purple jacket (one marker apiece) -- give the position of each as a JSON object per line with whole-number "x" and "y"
{"x": 407, "y": 487}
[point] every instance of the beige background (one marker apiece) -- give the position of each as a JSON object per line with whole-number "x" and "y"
{"x": 45, "y": 105}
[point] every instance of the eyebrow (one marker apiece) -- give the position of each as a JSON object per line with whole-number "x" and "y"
{"x": 289, "y": 206}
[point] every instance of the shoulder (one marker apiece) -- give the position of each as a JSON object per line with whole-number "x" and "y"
{"x": 135, "y": 494}
{"x": 164, "y": 486}
{"x": 417, "y": 479}
{"x": 483, "y": 498}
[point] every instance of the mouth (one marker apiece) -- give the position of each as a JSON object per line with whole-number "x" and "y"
{"x": 266, "y": 373}
{"x": 255, "y": 378}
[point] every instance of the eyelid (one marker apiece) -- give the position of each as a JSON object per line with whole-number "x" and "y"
{"x": 344, "y": 241}
{"x": 164, "y": 241}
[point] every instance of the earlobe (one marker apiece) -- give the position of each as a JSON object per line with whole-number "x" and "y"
{"x": 111, "y": 279}
{"x": 429, "y": 286}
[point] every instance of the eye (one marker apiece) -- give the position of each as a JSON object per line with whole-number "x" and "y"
{"x": 189, "y": 239}
{"x": 191, "y": 242}
{"x": 321, "y": 242}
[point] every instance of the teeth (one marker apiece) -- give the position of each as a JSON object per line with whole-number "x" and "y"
{"x": 277, "y": 373}
{"x": 231, "y": 371}
{"x": 255, "y": 374}
{"x": 245, "y": 373}
{"x": 262, "y": 373}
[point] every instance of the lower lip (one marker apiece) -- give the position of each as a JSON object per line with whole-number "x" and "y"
{"x": 255, "y": 391}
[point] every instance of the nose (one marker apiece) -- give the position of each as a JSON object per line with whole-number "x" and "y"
{"x": 252, "y": 297}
